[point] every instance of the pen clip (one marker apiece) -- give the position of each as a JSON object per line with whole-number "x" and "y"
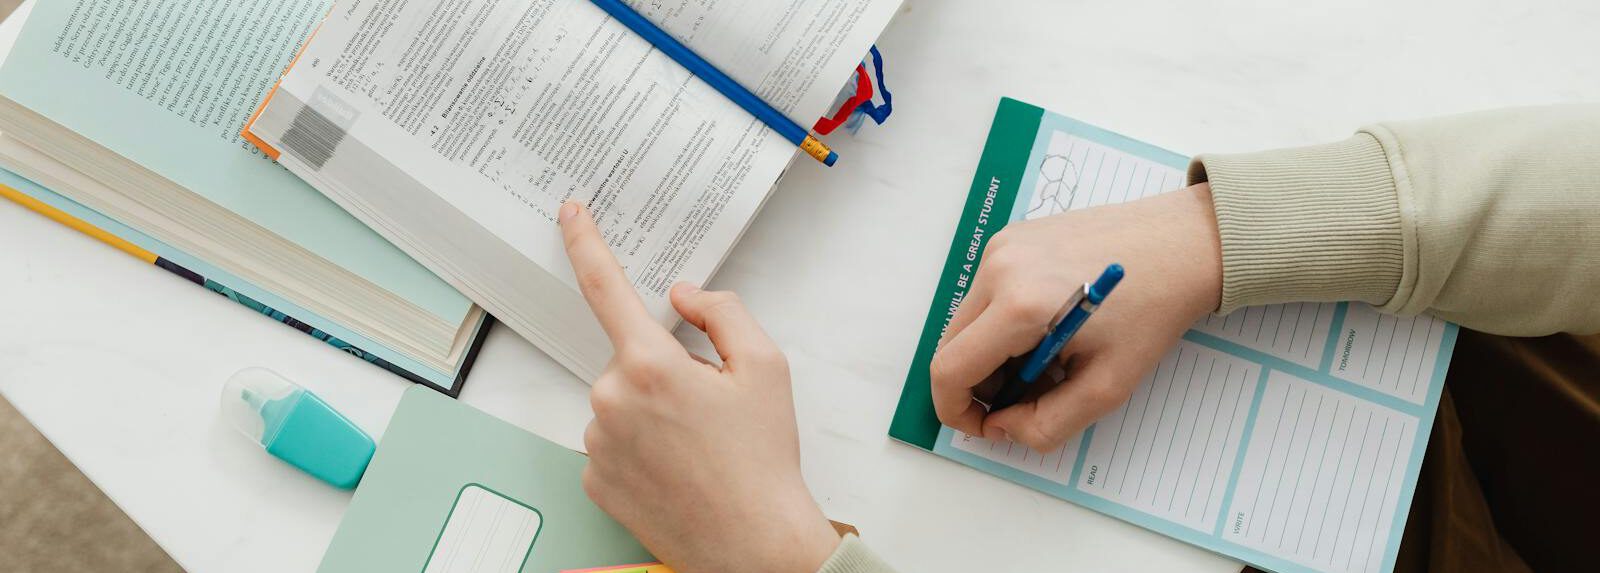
{"x": 1077, "y": 298}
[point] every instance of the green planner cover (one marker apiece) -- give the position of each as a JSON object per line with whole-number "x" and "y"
{"x": 454, "y": 489}
{"x": 1287, "y": 436}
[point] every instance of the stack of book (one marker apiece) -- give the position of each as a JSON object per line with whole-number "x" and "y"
{"x": 125, "y": 124}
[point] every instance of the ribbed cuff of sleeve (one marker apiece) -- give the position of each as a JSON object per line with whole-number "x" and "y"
{"x": 1319, "y": 223}
{"x": 852, "y": 556}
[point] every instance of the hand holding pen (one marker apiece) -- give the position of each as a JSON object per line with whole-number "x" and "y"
{"x": 1074, "y": 314}
{"x": 1170, "y": 247}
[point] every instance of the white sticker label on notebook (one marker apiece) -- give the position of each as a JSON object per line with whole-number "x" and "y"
{"x": 485, "y": 533}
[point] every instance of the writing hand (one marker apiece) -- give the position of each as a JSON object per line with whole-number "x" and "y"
{"x": 1172, "y": 253}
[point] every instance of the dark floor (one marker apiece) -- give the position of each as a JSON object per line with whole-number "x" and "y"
{"x": 52, "y": 518}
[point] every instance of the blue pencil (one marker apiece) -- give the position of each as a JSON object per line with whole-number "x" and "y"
{"x": 698, "y": 66}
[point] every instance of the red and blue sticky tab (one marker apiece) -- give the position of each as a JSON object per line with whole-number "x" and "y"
{"x": 862, "y": 99}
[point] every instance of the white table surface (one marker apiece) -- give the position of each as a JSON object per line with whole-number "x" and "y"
{"x": 120, "y": 364}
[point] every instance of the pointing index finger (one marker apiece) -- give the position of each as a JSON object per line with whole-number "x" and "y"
{"x": 611, "y": 295}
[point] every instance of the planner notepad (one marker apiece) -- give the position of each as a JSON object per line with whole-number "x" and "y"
{"x": 1285, "y": 436}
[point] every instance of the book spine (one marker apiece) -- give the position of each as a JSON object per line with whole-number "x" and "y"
{"x": 285, "y": 319}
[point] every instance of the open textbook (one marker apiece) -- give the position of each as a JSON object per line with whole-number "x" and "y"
{"x": 457, "y": 130}
{"x": 1285, "y": 436}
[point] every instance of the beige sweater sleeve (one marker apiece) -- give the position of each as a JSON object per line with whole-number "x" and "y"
{"x": 1490, "y": 220}
{"x": 852, "y": 556}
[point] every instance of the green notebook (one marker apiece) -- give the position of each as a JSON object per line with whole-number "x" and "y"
{"x": 454, "y": 489}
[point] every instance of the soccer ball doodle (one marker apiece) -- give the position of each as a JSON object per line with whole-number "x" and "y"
{"x": 1059, "y": 175}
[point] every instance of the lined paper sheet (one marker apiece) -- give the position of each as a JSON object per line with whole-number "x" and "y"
{"x": 1169, "y": 450}
{"x": 1319, "y": 481}
{"x": 1294, "y": 332}
{"x": 1079, "y": 173}
{"x": 1285, "y": 435}
{"x": 1387, "y": 353}
{"x": 1055, "y": 466}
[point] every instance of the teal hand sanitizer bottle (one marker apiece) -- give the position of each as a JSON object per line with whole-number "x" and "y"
{"x": 297, "y": 426}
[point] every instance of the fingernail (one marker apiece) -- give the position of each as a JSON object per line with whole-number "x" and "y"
{"x": 568, "y": 211}
{"x": 685, "y": 289}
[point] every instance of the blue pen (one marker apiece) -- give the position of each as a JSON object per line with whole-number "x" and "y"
{"x": 698, "y": 66}
{"x": 1082, "y": 304}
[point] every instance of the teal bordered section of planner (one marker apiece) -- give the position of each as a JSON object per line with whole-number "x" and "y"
{"x": 1315, "y": 359}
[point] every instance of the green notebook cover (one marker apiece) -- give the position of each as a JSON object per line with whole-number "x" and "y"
{"x": 454, "y": 489}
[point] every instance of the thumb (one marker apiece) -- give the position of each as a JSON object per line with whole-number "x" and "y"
{"x": 1063, "y": 412}
{"x": 732, "y": 330}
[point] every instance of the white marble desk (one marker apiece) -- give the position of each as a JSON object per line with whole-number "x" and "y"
{"x": 120, "y": 364}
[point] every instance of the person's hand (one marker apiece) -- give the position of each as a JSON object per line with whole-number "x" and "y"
{"x": 700, "y": 462}
{"x": 1172, "y": 253}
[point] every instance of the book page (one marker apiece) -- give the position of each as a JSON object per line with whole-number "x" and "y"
{"x": 1288, "y": 436}
{"x": 507, "y": 109}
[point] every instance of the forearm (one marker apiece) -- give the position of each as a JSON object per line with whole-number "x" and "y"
{"x": 1491, "y": 220}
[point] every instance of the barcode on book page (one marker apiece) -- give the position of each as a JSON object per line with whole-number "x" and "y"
{"x": 318, "y": 129}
